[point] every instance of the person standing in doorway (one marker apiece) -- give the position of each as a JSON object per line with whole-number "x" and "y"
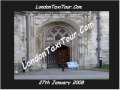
{"x": 63, "y": 67}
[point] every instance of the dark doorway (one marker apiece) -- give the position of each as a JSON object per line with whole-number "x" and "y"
{"x": 59, "y": 57}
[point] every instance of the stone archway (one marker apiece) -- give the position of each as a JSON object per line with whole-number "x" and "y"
{"x": 54, "y": 34}
{"x": 49, "y": 34}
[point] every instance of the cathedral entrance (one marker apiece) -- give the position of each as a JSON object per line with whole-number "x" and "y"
{"x": 52, "y": 33}
{"x": 59, "y": 57}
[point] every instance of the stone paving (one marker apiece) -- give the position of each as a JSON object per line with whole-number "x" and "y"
{"x": 59, "y": 74}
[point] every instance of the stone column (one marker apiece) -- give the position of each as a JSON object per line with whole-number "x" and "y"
{"x": 98, "y": 38}
{"x": 27, "y": 36}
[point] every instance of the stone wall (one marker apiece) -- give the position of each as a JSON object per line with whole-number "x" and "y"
{"x": 104, "y": 24}
{"x": 19, "y": 40}
{"x": 83, "y": 49}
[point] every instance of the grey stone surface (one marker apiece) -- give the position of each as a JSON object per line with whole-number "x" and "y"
{"x": 67, "y": 74}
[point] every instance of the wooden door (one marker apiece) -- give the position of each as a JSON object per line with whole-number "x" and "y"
{"x": 59, "y": 57}
{"x": 63, "y": 55}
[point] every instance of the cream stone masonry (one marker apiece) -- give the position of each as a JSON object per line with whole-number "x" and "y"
{"x": 35, "y": 30}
